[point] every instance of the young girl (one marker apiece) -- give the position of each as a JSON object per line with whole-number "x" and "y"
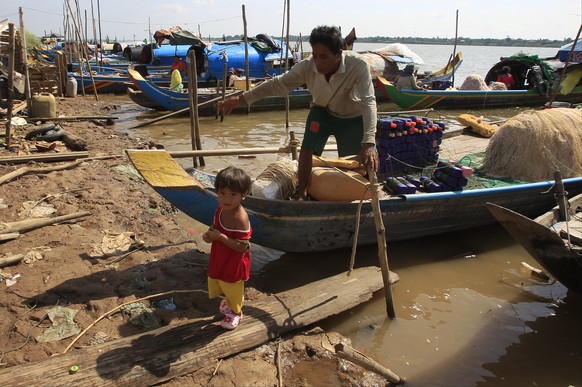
{"x": 230, "y": 234}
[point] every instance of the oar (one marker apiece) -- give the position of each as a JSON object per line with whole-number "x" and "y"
{"x": 181, "y": 111}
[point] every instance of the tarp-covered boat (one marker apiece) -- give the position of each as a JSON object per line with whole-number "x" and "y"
{"x": 536, "y": 80}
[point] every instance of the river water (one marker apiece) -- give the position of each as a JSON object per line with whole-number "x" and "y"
{"x": 467, "y": 314}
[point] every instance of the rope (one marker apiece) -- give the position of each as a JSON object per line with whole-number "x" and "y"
{"x": 357, "y": 230}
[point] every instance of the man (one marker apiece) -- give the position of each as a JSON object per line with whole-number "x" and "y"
{"x": 343, "y": 102}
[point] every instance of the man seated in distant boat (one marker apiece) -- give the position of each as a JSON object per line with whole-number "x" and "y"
{"x": 178, "y": 65}
{"x": 343, "y": 102}
{"x": 406, "y": 79}
{"x": 506, "y": 77}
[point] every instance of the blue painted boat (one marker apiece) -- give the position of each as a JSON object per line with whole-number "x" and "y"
{"x": 164, "y": 98}
{"x": 304, "y": 226}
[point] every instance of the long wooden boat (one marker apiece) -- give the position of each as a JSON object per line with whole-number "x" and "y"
{"x": 170, "y": 100}
{"x": 536, "y": 79}
{"x": 302, "y": 226}
{"x": 458, "y": 99}
{"x": 554, "y": 242}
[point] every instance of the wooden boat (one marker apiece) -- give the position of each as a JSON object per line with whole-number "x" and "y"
{"x": 553, "y": 241}
{"x": 170, "y": 100}
{"x": 536, "y": 80}
{"x": 162, "y": 98}
{"x": 302, "y": 226}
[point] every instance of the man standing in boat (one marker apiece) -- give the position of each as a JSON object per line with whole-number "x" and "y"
{"x": 343, "y": 102}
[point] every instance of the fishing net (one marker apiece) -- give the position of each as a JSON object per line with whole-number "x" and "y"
{"x": 277, "y": 181}
{"x": 474, "y": 82}
{"x": 533, "y": 145}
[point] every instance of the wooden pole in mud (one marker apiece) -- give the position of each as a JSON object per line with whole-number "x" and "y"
{"x": 25, "y": 62}
{"x": 382, "y": 249}
{"x": 246, "y": 42}
{"x": 193, "y": 94}
{"x": 10, "y": 102}
{"x": 287, "y": 63}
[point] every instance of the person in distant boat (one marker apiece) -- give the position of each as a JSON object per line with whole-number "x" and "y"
{"x": 230, "y": 234}
{"x": 406, "y": 79}
{"x": 178, "y": 65}
{"x": 343, "y": 103}
{"x": 506, "y": 77}
{"x": 235, "y": 75}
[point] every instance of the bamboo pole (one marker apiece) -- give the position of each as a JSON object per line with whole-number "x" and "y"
{"x": 382, "y": 249}
{"x": 100, "y": 40}
{"x": 557, "y": 88}
{"x": 287, "y": 62}
{"x": 246, "y": 42}
{"x": 8, "y": 134}
{"x": 193, "y": 94}
{"x": 455, "y": 46}
{"x": 224, "y": 75}
{"x": 240, "y": 151}
{"x": 84, "y": 48}
{"x": 25, "y": 62}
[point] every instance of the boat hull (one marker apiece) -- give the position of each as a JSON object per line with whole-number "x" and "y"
{"x": 309, "y": 226}
{"x": 544, "y": 244}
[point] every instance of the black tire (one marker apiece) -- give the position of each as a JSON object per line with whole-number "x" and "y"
{"x": 39, "y": 130}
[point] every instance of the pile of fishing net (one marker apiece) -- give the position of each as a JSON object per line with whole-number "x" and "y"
{"x": 277, "y": 181}
{"x": 476, "y": 82}
{"x": 534, "y": 144}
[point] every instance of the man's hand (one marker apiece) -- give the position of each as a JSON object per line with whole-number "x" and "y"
{"x": 230, "y": 103}
{"x": 369, "y": 156}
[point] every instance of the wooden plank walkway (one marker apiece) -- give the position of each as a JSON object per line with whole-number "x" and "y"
{"x": 168, "y": 352}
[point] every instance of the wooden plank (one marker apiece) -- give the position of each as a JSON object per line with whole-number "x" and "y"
{"x": 168, "y": 352}
{"x": 43, "y": 157}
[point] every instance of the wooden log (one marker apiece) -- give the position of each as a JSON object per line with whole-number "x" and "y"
{"x": 344, "y": 352}
{"x": 10, "y": 260}
{"x": 44, "y": 158}
{"x": 74, "y": 143}
{"x": 9, "y": 236}
{"x": 71, "y": 118}
{"x": 31, "y": 224}
{"x": 168, "y": 352}
{"x": 26, "y": 170}
{"x": 8, "y": 135}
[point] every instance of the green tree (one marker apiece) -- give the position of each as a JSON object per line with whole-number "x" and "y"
{"x": 31, "y": 40}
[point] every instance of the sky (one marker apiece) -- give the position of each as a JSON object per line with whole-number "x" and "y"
{"x": 133, "y": 19}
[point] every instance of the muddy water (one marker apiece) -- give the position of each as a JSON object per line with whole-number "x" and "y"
{"x": 468, "y": 314}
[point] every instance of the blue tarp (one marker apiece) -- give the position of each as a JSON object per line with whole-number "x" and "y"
{"x": 576, "y": 54}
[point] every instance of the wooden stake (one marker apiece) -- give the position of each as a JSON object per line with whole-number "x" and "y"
{"x": 31, "y": 224}
{"x": 382, "y": 249}
{"x": 246, "y": 41}
{"x": 10, "y": 85}
{"x": 25, "y": 62}
{"x": 193, "y": 94}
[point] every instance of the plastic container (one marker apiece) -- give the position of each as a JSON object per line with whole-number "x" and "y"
{"x": 43, "y": 105}
{"x": 71, "y": 88}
